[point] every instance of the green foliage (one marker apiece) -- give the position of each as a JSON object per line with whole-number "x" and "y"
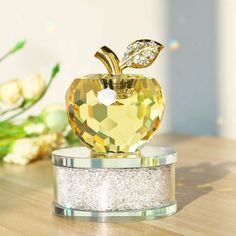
{"x": 55, "y": 70}
{"x": 18, "y": 46}
{"x": 72, "y": 139}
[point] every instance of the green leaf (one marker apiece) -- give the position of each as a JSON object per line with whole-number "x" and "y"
{"x": 6, "y": 146}
{"x": 8, "y": 129}
{"x": 18, "y": 46}
{"x": 4, "y": 151}
{"x": 55, "y": 70}
{"x": 141, "y": 53}
{"x": 72, "y": 139}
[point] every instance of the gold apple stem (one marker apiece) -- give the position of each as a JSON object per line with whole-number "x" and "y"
{"x": 109, "y": 59}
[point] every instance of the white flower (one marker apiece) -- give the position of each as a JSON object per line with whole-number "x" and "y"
{"x": 28, "y": 149}
{"x": 24, "y": 150}
{"x": 16, "y": 159}
{"x": 56, "y": 140}
{"x": 33, "y": 87}
{"x": 35, "y": 128}
{"x": 11, "y": 91}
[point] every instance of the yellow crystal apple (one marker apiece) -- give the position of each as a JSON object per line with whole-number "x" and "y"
{"x": 115, "y": 112}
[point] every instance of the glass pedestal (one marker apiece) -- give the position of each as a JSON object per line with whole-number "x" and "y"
{"x": 127, "y": 187}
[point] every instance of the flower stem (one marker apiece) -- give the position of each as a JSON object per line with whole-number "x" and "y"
{"x": 13, "y": 50}
{"x": 13, "y": 109}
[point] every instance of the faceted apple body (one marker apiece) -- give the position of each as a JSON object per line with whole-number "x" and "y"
{"x": 114, "y": 113}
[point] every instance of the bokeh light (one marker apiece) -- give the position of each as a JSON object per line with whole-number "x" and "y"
{"x": 174, "y": 45}
{"x": 50, "y": 27}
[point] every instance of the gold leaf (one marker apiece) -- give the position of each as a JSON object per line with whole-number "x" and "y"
{"x": 141, "y": 53}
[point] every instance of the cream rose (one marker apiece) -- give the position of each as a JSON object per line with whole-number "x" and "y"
{"x": 35, "y": 128}
{"x": 28, "y": 149}
{"x": 24, "y": 151}
{"x": 11, "y": 91}
{"x": 33, "y": 87}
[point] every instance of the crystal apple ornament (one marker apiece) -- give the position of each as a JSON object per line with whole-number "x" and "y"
{"x": 114, "y": 115}
{"x": 116, "y": 112}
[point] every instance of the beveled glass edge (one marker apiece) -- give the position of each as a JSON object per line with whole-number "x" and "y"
{"x": 105, "y": 216}
{"x": 169, "y": 157}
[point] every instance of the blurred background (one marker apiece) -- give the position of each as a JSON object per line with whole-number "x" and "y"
{"x": 196, "y": 69}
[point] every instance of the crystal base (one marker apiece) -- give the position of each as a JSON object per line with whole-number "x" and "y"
{"x": 129, "y": 187}
{"x": 150, "y": 214}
